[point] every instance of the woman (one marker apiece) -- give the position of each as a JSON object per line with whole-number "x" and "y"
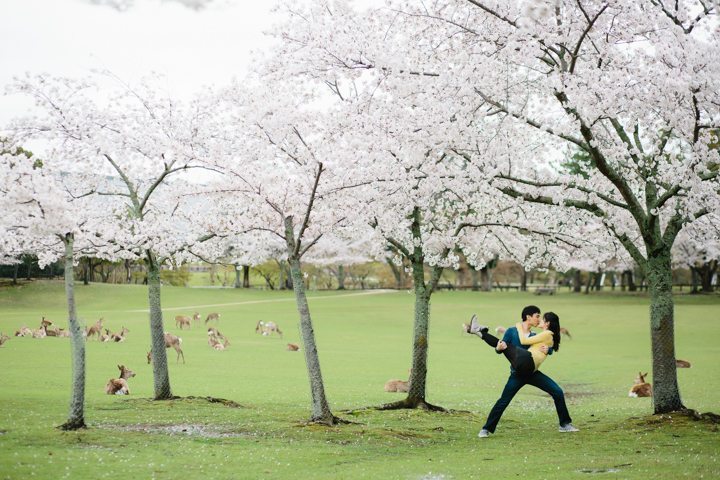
{"x": 525, "y": 362}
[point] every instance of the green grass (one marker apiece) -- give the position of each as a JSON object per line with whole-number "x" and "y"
{"x": 363, "y": 340}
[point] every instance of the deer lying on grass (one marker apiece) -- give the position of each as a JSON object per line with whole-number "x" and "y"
{"x": 40, "y": 332}
{"x": 266, "y": 328}
{"x": 399, "y": 386}
{"x": 95, "y": 329}
{"x": 682, "y": 363}
{"x": 182, "y": 321}
{"x": 217, "y": 344}
{"x": 45, "y": 323}
{"x": 119, "y": 386}
{"x": 641, "y": 387}
{"x": 105, "y": 337}
{"x": 3, "y": 338}
{"x": 212, "y": 316}
{"x": 23, "y": 332}
{"x": 119, "y": 337}
{"x": 293, "y": 347}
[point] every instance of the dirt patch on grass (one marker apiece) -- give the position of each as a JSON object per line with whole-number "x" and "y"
{"x": 186, "y": 429}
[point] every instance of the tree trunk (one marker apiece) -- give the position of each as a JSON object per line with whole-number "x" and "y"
{"x": 238, "y": 282}
{"x": 707, "y": 271}
{"x": 397, "y": 273}
{"x": 475, "y": 279}
{"x": 128, "y": 274}
{"x": 485, "y": 279}
{"x": 666, "y": 395}
{"x": 321, "y": 412}
{"x": 246, "y": 276}
{"x": 341, "y": 277}
{"x": 161, "y": 375}
{"x": 15, "y": 273}
{"x": 76, "y": 417}
{"x": 523, "y": 280}
{"x": 577, "y": 281}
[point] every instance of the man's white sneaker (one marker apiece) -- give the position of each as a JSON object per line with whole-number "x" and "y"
{"x": 475, "y": 327}
{"x": 483, "y": 433}
{"x": 568, "y": 428}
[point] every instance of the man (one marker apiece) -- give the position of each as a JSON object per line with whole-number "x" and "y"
{"x": 530, "y": 317}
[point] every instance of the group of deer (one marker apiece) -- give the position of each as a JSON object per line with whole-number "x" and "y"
{"x": 641, "y": 388}
{"x": 182, "y": 321}
{"x": 96, "y": 330}
{"x": 45, "y": 330}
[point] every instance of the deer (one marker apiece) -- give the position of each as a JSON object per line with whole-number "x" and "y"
{"x": 293, "y": 347}
{"x": 45, "y": 323}
{"x": 3, "y": 338}
{"x": 196, "y": 317}
{"x": 119, "y": 337}
{"x": 40, "y": 332}
{"x": 119, "y": 386}
{"x": 400, "y": 386}
{"x": 682, "y": 363}
{"x": 641, "y": 387}
{"x": 266, "y": 328}
{"x": 95, "y": 329}
{"x": 23, "y": 332}
{"x": 212, "y": 316}
{"x": 105, "y": 337}
{"x": 215, "y": 342}
{"x": 174, "y": 342}
{"x": 182, "y": 321}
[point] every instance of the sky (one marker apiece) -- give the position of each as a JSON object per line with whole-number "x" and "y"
{"x": 191, "y": 48}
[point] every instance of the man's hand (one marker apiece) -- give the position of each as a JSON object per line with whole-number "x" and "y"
{"x": 501, "y": 346}
{"x": 544, "y": 349}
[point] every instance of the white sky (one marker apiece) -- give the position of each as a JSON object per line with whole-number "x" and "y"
{"x": 70, "y": 37}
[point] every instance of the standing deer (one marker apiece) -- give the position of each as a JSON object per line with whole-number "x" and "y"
{"x": 95, "y": 329}
{"x": 641, "y": 387}
{"x": 212, "y": 316}
{"x": 196, "y": 317}
{"x": 170, "y": 341}
{"x": 182, "y": 321}
{"x": 119, "y": 386}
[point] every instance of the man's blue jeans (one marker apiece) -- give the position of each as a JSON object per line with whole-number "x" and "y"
{"x": 515, "y": 383}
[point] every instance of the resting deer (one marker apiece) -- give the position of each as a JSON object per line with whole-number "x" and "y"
{"x": 399, "y": 386}
{"x": 3, "y": 338}
{"x": 45, "y": 323}
{"x": 266, "y": 328}
{"x": 23, "y": 332}
{"x": 293, "y": 347}
{"x": 40, "y": 332}
{"x": 212, "y": 316}
{"x": 641, "y": 387}
{"x": 682, "y": 363}
{"x": 182, "y": 321}
{"x": 119, "y": 386}
{"x": 105, "y": 337}
{"x": 215, "y": 342}
{"x": 95, "y": 329}
{"x": 119, "y": 337}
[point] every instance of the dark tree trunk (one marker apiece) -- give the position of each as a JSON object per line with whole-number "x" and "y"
{"x": 246, "y": 276}
{"x": 341, "y": 277}
{"x": 577, "y": 281}
{"x": 523, "y": 280}
{"x": 666, "y": 395}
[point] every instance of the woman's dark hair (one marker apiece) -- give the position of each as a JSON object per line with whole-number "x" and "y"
{"x": 554, "y": 321}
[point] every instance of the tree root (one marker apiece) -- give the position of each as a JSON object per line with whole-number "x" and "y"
{"x": 411, "y": 403}
{"x": 73, "y": 425}
{"x": 709, "y": 417}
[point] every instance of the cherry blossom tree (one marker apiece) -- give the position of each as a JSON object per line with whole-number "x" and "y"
{"x": 129, "y": 143}
{"x": 630, "y": 85}
{"x": 45, "y": 213}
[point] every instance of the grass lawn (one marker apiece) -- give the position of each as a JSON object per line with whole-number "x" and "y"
{"x": 364, "y": 339}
